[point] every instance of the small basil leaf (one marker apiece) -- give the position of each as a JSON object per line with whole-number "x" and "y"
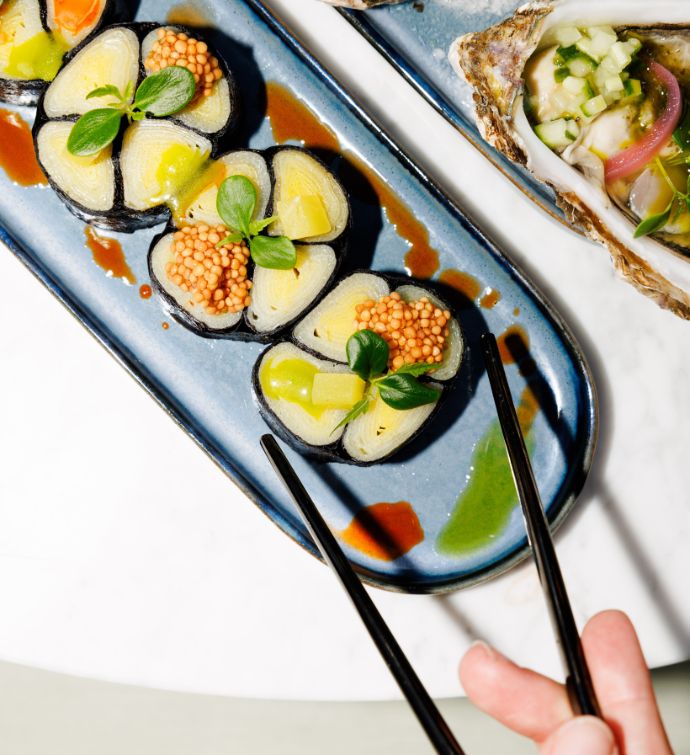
{"x": 406, "y": 392}
{"x": 233, "y": 238}
{"x": 93, "y": 131}
{"x": 361, "y": 407}
{"x": 653, "y": 223}
{"x": 129, "y": 91}
{"x": 105, "y": 91}
{"x": 256, "y": 226}
{"x": 165, "y": 92}
{"x": 418, "y": 368}
{"x": 276, "y": 252}
{"x": 367, "y": 354}
{"x": 235, "y": 203}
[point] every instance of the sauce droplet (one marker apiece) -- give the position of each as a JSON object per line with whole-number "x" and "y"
{"x": 108, "y": 254}
{"x": 485, "y": 506}
{"x": 145, "y": 291}
{"x": 292, "y": 119}
{"x": 17, "y": 156}
{"x": 490, "y": 299}
{"x": 165, "y": 325}
{"x": 384, "y": 531}
{"x": 465, "y": 283}
{"x": 187, "y": 14}
{"x": 516, "y": 311}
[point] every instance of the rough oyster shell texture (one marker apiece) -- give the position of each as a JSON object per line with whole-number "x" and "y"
{"x": 363, "y": 4}
{"x": 492, "y": 62}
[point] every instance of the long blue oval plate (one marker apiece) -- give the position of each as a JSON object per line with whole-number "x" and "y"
{"x": 205, "y": 385}
{"x": 415, "y": 38}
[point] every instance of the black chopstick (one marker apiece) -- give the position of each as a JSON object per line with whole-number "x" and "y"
{"x": 578, "y": 680}
{"x": 426, "y": 711}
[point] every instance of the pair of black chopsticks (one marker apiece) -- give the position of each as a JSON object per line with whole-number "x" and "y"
{"x": 578, "y": 680}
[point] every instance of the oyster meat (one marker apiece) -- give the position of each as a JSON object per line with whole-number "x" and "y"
{"x": 593, "y": 97}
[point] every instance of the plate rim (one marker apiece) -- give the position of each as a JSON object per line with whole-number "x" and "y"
{"x": 562, "y": 504}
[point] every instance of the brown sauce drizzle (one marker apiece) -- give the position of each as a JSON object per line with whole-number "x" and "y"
{"x": 465, "y": 283}
{"x": 108, "y": 254}
{"x": 292, "y": 119}
{"x": 187, "y": 14}
{"x": 384, "y": 531}
{"x": 17, "y": 156}
{"x": 145, "y": 291}
{"x": 513, "y": 346}
{"x": 490, "y": 299}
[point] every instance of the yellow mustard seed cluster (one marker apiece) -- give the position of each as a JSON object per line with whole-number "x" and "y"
{"x": 415, "y": 331}
{"x": 174, "y": 48}
{"x": 216, "y": 277}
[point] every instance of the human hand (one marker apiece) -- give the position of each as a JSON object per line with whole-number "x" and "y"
{"x": 537, "y": 707}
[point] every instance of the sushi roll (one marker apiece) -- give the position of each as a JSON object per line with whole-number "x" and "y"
{"x": 416, "y": 324}
{"x": 239, "y": 299}
{"x": 35, "y": 35}
{"x": 305, "y": 399}
{"x": 154, "y": 165}
{"x": 308, "y": 200}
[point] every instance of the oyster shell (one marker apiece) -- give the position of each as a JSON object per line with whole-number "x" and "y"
{"x": 493, "y": 62}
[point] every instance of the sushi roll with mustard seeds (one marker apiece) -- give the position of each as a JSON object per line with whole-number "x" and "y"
{"x": 415, "y": 323}
{"x": 305, "y": 399}
{"x": 35, "y": 35}
{"x": 154, "y": 165}
{"x": 217, "y": 291}
{"x": 309, "y": 202}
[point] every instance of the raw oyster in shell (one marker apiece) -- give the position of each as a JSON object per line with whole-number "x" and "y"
{"x": 513, "y": 68}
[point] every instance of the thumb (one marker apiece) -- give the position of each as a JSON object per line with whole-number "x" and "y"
{"x": 583, "y": 734}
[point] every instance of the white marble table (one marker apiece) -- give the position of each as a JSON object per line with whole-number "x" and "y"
{"x": 128, "y": 556}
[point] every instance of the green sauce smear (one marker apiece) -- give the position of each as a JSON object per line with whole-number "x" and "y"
{"x": 38, "y": 58}
{"x": 484, "y": 507}
{"x": 291, "y": 380}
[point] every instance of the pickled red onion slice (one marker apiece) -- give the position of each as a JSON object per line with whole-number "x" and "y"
{"x": 636, "y": 156}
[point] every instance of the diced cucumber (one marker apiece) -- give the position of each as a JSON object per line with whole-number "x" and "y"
{"x": 567, "y": 35}
{"x": 593, "y": 106}
{"x": 555, "y": 134}
{"x": 607, "y": 31}
{"x": 574, "y": 84}
{"x": 572, "y": 130}
{"x": 560, "y": 74}
{"x": 632, "y": 88}
{"x": 614, "y": 84}
{"x": 602, "y": 38}
{"x": 587, "y": 47}
{"x": 581, "y": 66}
{"x": 619, "y": 55}
{"x": 633, "y": 44}
{"x": 565, "y": 54}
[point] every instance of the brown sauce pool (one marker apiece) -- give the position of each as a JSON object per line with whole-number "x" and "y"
{"x": 384, "y": 531}
{"x": 187, "y": 14}
{"x": 465, "y": 283}
{"x": 292, "y": 119}
{"x": 17, "y": 156}
{"x": 490, "y": 299}
{"x": 108, "y": 254}
{"x": 513, "y": 346}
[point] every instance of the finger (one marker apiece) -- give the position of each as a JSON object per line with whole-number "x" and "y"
{"x": 584, "y": 734}
{"x": 623, "y": 684}
{"x": 526, "y": 702}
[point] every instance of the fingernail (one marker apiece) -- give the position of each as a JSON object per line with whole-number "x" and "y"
{"x": 486, "y": 650}
{"x": 583, "y": 734}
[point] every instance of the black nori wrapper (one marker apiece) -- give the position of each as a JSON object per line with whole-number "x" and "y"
{"x": 120, "y": 218}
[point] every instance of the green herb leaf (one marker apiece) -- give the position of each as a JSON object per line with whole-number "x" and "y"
{"x": 105, "y": 91}
{"x": 405, "y": 391}
{"x": 233, "y": 238}
{"x": 681, "y": 135}
{"x": 129, "y": 91}
{"x": 361, "y": 407}
{"x": 235, "y": 203}
{"x": 256, "y": 226}
{"x": 275, "y": 252}
{"x": 367, "y": 354}
{"x": 94, "y": 131}
{"x": 653, "y": 223}
{"x": 418, "y": 368}
{"x": 165, "y": 92}
{"x": 136, "y": 115}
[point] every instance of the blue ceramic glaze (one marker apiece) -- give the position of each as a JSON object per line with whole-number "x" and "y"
{"x": 205, "y": 385}
{"x": 415, "y": 39}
